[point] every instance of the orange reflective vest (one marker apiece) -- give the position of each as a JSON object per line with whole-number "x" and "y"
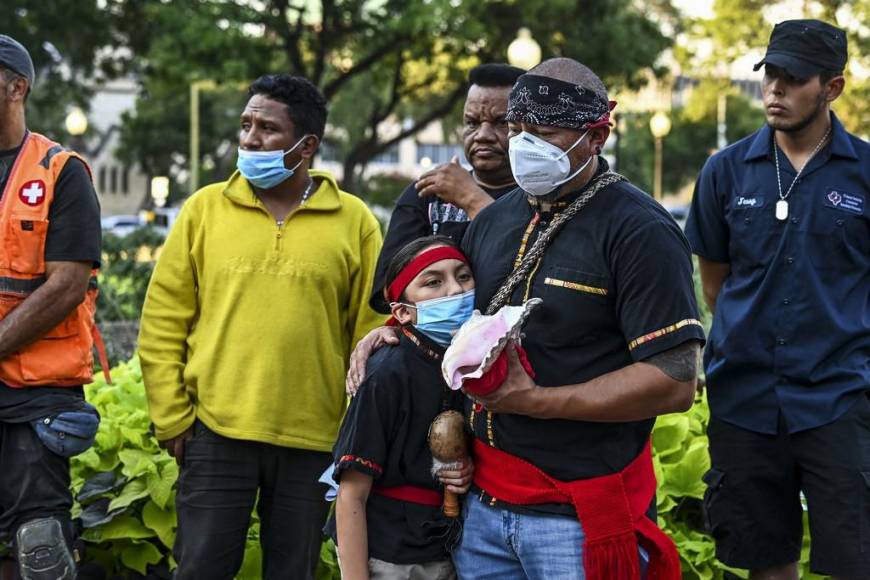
{"x": 63, "y": 356}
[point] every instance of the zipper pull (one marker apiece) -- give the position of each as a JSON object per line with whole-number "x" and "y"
{"x": 280, "y": 224}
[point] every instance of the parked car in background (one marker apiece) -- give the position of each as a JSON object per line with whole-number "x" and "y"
{"x": 121, "y": 225}
{"x": 679, "y": 212}
{"x": 163, "y": 218}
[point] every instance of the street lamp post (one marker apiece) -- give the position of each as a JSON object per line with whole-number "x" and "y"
{"x": 524, "y": 51}
{"x": 659, "y": 126}
{"x": 195, "y": 88}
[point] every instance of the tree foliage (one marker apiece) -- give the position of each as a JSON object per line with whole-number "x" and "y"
{"x": 387, "y": 67}
{"x": 691, "y": 140}
{"x": 66, "y": 60}
{"x": 739, "y": 26}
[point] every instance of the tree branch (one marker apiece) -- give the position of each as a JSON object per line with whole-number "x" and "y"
{"x": 371, "y": 59}
{"x": 419, "y": 124}
{"x": 327, "y": 30}
{"x": 380, "y": 114}
{"x": 290, "y": 35}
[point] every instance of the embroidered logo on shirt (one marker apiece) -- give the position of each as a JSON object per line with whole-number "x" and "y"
{"x": 748, "y": 201}
{"x": 841, "y": 200}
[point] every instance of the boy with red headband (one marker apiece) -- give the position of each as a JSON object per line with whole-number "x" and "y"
{"x": 388, "y": 521}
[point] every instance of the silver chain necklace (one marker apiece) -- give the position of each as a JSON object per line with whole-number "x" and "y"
{"x": 782, "y": 204}
{"x": 307, "y": 193}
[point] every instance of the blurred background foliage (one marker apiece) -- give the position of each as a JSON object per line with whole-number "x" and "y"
{"x": 389, "y": 67}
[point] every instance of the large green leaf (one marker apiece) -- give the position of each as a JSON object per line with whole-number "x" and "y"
{"x": 162, "y": 521}
{"x": 137, "y": 462}
{"x": 122, "y": 527}
{"x": 252, "y": 565}
{"x": 669, "y": 434}
{"x": 160, "y": 486}
{"x": 684, "y": 478}
{"x": 133, "y": 490}
{"x": 137, "y": 556}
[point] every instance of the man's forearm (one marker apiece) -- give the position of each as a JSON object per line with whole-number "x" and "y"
{"x": 664, "y": 383}
{"x": 633, "y": 393}
{"x": 38, "y": 313}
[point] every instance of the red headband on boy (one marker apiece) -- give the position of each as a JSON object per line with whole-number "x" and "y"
{"x": 417, "y": 265}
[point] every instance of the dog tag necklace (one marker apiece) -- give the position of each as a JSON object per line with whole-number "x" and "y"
{"x": 782, "y": 204}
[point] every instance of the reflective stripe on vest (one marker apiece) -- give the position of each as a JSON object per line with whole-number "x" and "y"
{"x": 20, "y": 286}
{"x": 28, "y": 286}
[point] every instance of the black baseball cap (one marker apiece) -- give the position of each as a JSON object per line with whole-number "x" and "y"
{"x": 804, "y": 48}
{"x": 15, "y": 57}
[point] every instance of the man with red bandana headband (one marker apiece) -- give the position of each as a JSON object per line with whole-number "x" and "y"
{"x": 563, "y": 486}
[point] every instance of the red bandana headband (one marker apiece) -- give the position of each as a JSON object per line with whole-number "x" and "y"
{"x": 417, "y": 265}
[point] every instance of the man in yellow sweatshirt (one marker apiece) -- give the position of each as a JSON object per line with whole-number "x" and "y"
{"x": 259, "y": 294}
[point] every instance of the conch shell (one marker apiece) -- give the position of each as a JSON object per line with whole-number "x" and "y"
{"x": 480, "y": 340}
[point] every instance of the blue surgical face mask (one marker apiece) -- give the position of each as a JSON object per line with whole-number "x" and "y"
{"x": 265, "y": 169}
{"x": 440, "y": 318}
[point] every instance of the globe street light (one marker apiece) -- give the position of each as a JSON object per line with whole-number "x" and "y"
{"x": 524, "y": 52}
{"x": 659, "y": 126}
{"x": 76, "y": 124}
{"x": 159, "y": 190}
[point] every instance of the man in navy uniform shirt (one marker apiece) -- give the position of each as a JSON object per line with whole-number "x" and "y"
{"x": 780, "y": 225}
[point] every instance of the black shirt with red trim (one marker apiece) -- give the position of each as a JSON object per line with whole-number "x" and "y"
{"x": 385, "y": 435}
{"x": 616, "y": 284}
{"x": 416, "y": 217}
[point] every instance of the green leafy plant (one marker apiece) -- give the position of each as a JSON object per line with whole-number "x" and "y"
{"x": 124, "y": 488}
{"x": 125, "y": 491}
{"x": 127, "y": 263}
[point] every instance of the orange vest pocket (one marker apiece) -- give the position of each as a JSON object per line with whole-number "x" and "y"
{"x": 56, "y": 361}
{"x": 61, "y": 357}
{"x": 26, "y": 246}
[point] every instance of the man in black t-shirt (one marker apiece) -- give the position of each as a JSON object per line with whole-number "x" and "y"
{"x": 35, "y": 499}
{"x": 445, "y": 199}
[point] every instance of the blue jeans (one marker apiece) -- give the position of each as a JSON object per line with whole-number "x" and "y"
{"x": 499, "y": 544}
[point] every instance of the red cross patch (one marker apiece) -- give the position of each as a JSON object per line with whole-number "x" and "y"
{"x": 32, "y": 193}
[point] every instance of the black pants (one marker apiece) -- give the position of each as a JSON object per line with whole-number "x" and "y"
{"x": 34, "y": 482}
{"x": 217, "y": 489}
{"x": 753, "y": 502}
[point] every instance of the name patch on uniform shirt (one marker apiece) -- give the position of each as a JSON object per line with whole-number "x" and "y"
{"x": 748, "y": 201}
{"x": 841, "y": 200}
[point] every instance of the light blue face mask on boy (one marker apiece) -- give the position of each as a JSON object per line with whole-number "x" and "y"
{"x": 440, "y": 318}
{"x": 265, "y": 169}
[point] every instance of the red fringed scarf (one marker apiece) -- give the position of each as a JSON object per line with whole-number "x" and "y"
{"x": 610, "y": 508}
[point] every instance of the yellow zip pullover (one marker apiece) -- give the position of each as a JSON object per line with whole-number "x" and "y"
{"x": 248, "y": 323}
